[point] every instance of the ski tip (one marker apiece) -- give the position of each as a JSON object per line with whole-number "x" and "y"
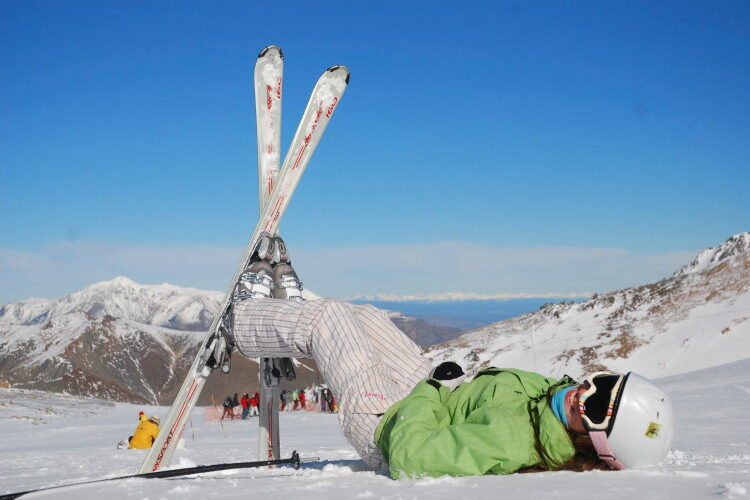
{"x": 343, "y": 68}
{"x": 271, "y": 47}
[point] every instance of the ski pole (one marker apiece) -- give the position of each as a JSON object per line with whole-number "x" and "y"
{"x": 161, "y": 474}
{"x": 220, "y": 419}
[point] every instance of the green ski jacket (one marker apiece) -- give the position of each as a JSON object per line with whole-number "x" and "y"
{"x": 498, "y": 423}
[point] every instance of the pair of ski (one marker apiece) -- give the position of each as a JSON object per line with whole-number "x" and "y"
{"x": 276, "y": 186}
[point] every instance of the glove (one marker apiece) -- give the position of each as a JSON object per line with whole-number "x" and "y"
{"x": 449, "y": 374}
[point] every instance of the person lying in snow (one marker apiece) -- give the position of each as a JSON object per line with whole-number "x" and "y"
{"x": 145, "y": 433}
{"x": 397, "y": 411}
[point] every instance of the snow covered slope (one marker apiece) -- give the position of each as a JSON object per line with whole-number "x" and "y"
{"x": 48, "y": 439}
{"x": 697, "y": 318}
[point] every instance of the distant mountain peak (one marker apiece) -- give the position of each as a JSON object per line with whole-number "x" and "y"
{"x": 736, "y": 245}
{"x": 116, "y": 339}
{"x": 162, "y": 305}
{"x": 116, "y": 282}
{"x": 122, "y": 281}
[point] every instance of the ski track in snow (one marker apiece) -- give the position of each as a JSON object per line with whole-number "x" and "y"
{"x": 51, "y": 439}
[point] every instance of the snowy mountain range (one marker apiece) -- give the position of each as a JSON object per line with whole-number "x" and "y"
{"x": 115, "y": 340}
{"x": 121, "y": 340}
{"x": 124, "y": 341}
{"x": 697, "y": 318}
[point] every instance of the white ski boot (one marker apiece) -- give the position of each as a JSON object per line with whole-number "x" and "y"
{"x": 256, "y": 281}
{"x": 286, "y": 283}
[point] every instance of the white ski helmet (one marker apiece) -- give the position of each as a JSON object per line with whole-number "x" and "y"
{"x": 630, "y": 421}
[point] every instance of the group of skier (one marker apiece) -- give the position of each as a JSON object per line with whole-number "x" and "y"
{"x": 248, "y": 403}
{"x": 292, "y": 400}
{"x": 317, "y": 398}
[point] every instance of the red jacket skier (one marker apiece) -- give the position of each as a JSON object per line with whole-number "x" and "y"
{"x": 254, "y": 405}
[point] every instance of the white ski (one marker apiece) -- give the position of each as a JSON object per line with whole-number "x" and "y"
{"x": 268, "y": 77}
{"x": 323, "y": 101}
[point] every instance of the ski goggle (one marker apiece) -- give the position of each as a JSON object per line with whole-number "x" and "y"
{"x": 599, "y": 403}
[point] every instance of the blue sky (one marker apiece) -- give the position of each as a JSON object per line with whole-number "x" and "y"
{"x": 586, "y": 145}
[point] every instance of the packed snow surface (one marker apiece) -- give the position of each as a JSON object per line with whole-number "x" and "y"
{"x": 51, "y": 439}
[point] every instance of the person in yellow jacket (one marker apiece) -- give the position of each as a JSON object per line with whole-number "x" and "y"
{"x": 145, "y": 433}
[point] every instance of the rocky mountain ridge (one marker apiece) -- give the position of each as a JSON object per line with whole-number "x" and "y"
{"x": 696, "y": 318}
{"x": 163, "y": 305}
{"x": 124, "y": 341}
{"x": 120, "y": 340}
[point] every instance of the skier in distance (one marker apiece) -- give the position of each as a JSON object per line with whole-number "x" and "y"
{"x": 145, "y": 433}
{"x": 402, "y": 414}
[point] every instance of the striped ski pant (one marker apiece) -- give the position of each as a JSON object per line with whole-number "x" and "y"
{"x": 367, "y": 362}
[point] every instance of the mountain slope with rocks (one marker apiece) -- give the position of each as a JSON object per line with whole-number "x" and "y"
{"x": 697, "y": 318}
{"x": 120, "y": 340}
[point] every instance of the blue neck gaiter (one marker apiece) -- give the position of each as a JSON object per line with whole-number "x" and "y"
{"x": 558, "y": 404}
